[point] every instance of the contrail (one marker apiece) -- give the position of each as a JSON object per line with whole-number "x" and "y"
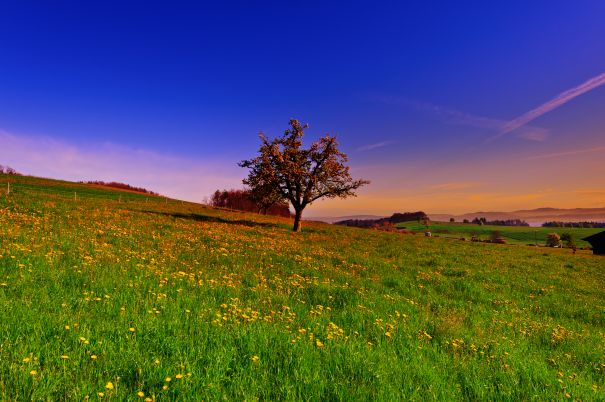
{"x": 560, "y": 100}
{"x": 567, "y": 153}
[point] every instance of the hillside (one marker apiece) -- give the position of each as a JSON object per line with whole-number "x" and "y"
{"x": 110, "y": 294}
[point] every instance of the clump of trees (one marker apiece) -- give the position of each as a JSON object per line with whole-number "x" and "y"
{"x": 286, "y": 171}
{"x": 243, "y": 200}
{"x": 9, "y": 171}
{"x": 587, "y": 224}
{"x": 500, "y": 222}
{"x": 569, "y": 241}
{"x": 393, "y": 220}
{"x": 121, "y": 186}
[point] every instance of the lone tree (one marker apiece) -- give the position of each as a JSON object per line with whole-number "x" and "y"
{"x": 284, "y": 170}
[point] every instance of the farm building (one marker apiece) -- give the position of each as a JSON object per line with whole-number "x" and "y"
{"x": 597, "y": 241}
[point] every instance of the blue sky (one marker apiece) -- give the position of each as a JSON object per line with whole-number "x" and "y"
{"x": 419, "y": 95}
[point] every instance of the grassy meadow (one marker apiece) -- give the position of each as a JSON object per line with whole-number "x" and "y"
{"x": 512, "y": 234}
{"x": 110, "y": 295}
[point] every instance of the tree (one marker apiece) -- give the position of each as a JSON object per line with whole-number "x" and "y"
{"x": 284, "y": 170}
{"x": 452, "y": 220}
{"x": 569, "y": 240}
{"x": 553, "y": 240}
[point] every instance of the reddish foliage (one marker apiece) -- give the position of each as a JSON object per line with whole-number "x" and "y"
{"x": 241, "y": 200}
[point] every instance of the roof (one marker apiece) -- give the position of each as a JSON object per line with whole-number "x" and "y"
{"x": 595, "y": 237}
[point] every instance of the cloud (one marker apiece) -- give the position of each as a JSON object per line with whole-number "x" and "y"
{"x": 558, "y": 101}
{"x": 453, "y": 116}
{"x": 369, "y": 147}
{"x": 567, "y": 153}
{"x": 173, "y": 176}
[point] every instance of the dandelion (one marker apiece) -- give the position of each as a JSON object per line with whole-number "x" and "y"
{"x": 148, "y": 399}
{"x": 178, "y": 376}
{"x": 67, "y": 328}
{"x": 255, "y": 359}
{"x": 165, "y": 387}
{"x": 319, "y": 344}
{"x": 109, "y": 385}
{"x": 141, "y": 394}
{"x": 168, "y": 379}
{"x": 131, "y": 329}
{"x": 26, "y": 360}
{"x": 93, "y": 357}
{"x": 101, "y": 394}
{"x": 156, "y": 362}
{"x": 64, "y": 357}
{"x": 33, "y": 373}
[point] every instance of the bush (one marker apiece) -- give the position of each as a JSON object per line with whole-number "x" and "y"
{"x": 553, "y": 240}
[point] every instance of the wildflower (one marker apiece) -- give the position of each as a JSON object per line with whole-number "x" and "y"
{"x": 165, "y": 387}
{"x": 93, "y": 357}
{"x": 101, "y": 394}
{"x": 131, "y": 329}
{"x": 156, "y": 362}
{"x": 26, "y": 360}
{"x": 148, "y": 399}
{"x": 255, "y": 359}
{"x": 64, "y": 357}
{"x": 178, "y": 376}
{"x": 168, "y": 379}
{"x": 109, "y": 385}
{"x": 141, "y": 394}
{"x": 318, "y": 343}
{"x": 33, "y": 372}
{"x": 67, "y": 327}
{"x": 388, "y": 334}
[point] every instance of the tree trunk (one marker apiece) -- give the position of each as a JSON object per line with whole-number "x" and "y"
{"x": 297, "y": 221}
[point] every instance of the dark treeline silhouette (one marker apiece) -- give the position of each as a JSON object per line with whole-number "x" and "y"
{"x": 242, "y": 201}
{"x": 555, "y": 224}
{"x": 498, "y": 222}
{"x": 9, "y": 170}
{"x": 122, "y": 186}
{"x": 393, "y": 219}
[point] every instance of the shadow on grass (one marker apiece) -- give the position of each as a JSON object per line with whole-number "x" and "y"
{"x": 216, "y": 219}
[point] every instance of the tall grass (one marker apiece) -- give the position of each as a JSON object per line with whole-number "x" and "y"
{"x": 158, "y": 299}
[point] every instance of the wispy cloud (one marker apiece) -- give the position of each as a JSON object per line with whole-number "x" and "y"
{"x": 567, "y": 153}
{"x": 453, "y": 116}
{"x": 174, "y": 176}
{"x": 554, "y": 103}
{"x": 369, "y": 147}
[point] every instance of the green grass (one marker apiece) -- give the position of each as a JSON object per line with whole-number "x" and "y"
{"x": 513, "y": 234}
{"x": 235, "y": 306}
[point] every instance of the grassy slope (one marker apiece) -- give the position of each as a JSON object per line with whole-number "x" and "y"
{"x": 515, "y": 235}
{"x": 135, "y": 293}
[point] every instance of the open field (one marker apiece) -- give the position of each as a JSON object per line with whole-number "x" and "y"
{"x": 153, "y": 298}
{"x": 512, "y": 234}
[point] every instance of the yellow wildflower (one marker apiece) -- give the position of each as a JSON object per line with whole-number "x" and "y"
{"x": 109, "y": 385}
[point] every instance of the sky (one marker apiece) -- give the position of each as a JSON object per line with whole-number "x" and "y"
{"x": 445, "y": 107}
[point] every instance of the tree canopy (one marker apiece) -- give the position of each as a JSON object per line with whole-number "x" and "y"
{"x": 284, "y": 170}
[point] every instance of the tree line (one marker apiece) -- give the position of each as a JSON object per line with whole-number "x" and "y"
{"x": 243, "y": 200}
{"x": 9, "y": 171}
{"x": 588, "y": 224}
{"x": 499, "y": 222}
{"x": 122, "y": 186}
{"x": 393, "y": 219}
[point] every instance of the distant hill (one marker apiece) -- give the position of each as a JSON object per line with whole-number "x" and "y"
{"x": 533, "y": 216}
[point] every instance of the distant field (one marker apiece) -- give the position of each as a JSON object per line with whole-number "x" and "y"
{"x": 113, "y": 295}
{"x": 513, "y": 234}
